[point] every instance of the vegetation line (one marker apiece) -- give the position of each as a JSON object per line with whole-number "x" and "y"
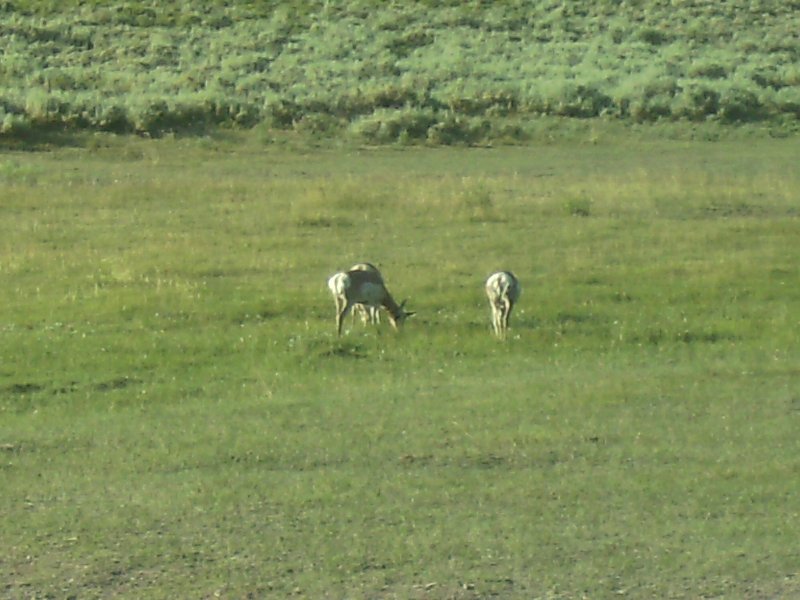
{"x": 407, "y": 72}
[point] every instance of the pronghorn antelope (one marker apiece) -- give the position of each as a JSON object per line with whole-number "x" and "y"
{"x": 367, "y": 288}
{"x": 503, "y": 291}
{"x": 369, "y": 314}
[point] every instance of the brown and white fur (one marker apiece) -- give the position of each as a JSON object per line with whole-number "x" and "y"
{"x": 503, "y": 290}
{"x": 367, "y": 288}
{"x": 369, "y": 314}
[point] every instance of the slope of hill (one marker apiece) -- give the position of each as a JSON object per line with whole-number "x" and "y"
{"x": 385, "y": 72}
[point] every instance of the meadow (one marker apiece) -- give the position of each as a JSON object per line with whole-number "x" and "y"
{"x": 179, "y": 419}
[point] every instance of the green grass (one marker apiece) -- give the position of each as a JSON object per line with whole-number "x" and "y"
{"x": 179, "y": 419}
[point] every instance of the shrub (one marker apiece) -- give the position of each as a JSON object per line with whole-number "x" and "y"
{"x": 707, "y": 70}
{"x": 655, "y": 37}
{"x": 737, "y": 104}
{"x": 318, "y": 124}
{"x": 279, "y": 113}
{"x": 14, "y": 125}
{"x": 388, "y": 126}
{"x": 577, "y": 100}
{"x": 790, "y": 75}
{"x": 455, "y": 129}
{"x": 149, "y": 115}
{"x": 390, "y": 96}
{"x": 787, "y": 101}
{"x": 114, "y": 118}
{"x": 696, "y": 102}
{"x": 646, "y": 97}
{"x": 43, "y": 108}
{"x": 650, "y": 108}
{"x": 154, "y": 116}
{"x": 508, "y": 131}
{"x": 498, "y": 102}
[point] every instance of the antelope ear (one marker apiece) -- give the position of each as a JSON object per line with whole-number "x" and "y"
{"x": 410, "y": 314}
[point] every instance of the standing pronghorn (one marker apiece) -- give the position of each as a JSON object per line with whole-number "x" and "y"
{"x": 367, "y": 288}
{"x": 369, "y": 314}
{"x": 503, "y": 290}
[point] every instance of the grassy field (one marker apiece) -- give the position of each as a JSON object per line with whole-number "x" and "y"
{"x": 179, "y": 419}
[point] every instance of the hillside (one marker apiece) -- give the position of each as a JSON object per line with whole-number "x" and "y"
{"x": 453, "y": 72}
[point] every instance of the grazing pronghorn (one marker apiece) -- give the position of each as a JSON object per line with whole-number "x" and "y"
{"x": 503, "y": 290}
{"x": 367, "y": 288}
{"x": 369, "y": 314}
{"x": 365, "y": 266}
